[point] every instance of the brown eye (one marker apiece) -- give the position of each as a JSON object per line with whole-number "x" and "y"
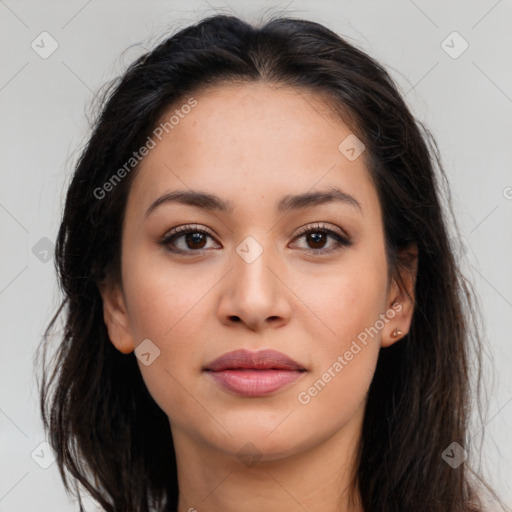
{"x": 195, "y": 240}
{"x": 186, "y": 239}
{"x": 317, "y": 237}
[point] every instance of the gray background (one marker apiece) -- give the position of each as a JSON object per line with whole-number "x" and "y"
{"x": 465, "y": 101}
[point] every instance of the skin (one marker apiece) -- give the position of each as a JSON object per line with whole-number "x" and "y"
{"x": 252, "y": 144}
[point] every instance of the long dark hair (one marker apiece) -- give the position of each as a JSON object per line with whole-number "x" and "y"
{"x": 108, "y": 433}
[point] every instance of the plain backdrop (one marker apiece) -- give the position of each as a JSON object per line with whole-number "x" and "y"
{"x": 463, "y": 94}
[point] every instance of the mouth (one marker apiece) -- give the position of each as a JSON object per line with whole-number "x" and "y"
{"x": 254, "y": 374}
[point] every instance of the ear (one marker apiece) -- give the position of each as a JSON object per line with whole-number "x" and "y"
{"x": 401, "y": 296}
{"x": 116, "y": 317}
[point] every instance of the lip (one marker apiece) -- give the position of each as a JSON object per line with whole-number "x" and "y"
{"x": 254, "y": 373}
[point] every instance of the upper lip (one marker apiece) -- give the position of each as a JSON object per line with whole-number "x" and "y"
{"x": 261, "y": 360}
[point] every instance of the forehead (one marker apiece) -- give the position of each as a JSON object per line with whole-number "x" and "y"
{"x": 246, "y": 141}
{"x": 251, "y": 114}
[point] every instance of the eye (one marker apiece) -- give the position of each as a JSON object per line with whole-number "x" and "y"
{"x": 193, "y": 239}
{"x": 319, "y": 234}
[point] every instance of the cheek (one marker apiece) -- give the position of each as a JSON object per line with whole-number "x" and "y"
{"x": 344, "y": 302}
{"x": 347, "y": 328}
{"x": 345, "y": 361}
{"x": 168, "y": 304}
{"x": 162, "y": 295}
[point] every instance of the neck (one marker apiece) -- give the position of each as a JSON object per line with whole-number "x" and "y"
{"x": 319, "y": 478}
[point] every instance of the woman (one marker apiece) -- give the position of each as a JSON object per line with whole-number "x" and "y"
{"x": 262, "y": 308}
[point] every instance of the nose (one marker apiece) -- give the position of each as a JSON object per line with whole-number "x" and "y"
{"x": 254, "y": 293}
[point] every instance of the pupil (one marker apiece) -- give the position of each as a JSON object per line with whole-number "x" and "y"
{"x": 317, "y": 237}
{"x": 196, "y": 238}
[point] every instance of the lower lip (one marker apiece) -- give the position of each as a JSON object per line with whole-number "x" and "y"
{"x": 255, "y": 382}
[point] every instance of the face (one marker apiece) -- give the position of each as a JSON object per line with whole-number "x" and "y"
{"x": 305, "y": 277}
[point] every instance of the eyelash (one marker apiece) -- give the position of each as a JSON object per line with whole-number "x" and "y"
{"x": 180, "y": 231}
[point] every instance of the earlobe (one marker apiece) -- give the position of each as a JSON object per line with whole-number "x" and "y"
{"x": 402, "y": 297}
{"x": 116, "y": 317}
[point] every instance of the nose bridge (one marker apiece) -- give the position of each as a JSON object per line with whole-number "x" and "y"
{"x": 255, "y": 294}
{"x": 255, "y": 255}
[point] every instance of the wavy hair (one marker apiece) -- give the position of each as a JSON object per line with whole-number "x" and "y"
{"x": 108, "y": 433}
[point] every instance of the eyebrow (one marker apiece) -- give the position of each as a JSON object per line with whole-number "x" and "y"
{"x": 287, "y": 203}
